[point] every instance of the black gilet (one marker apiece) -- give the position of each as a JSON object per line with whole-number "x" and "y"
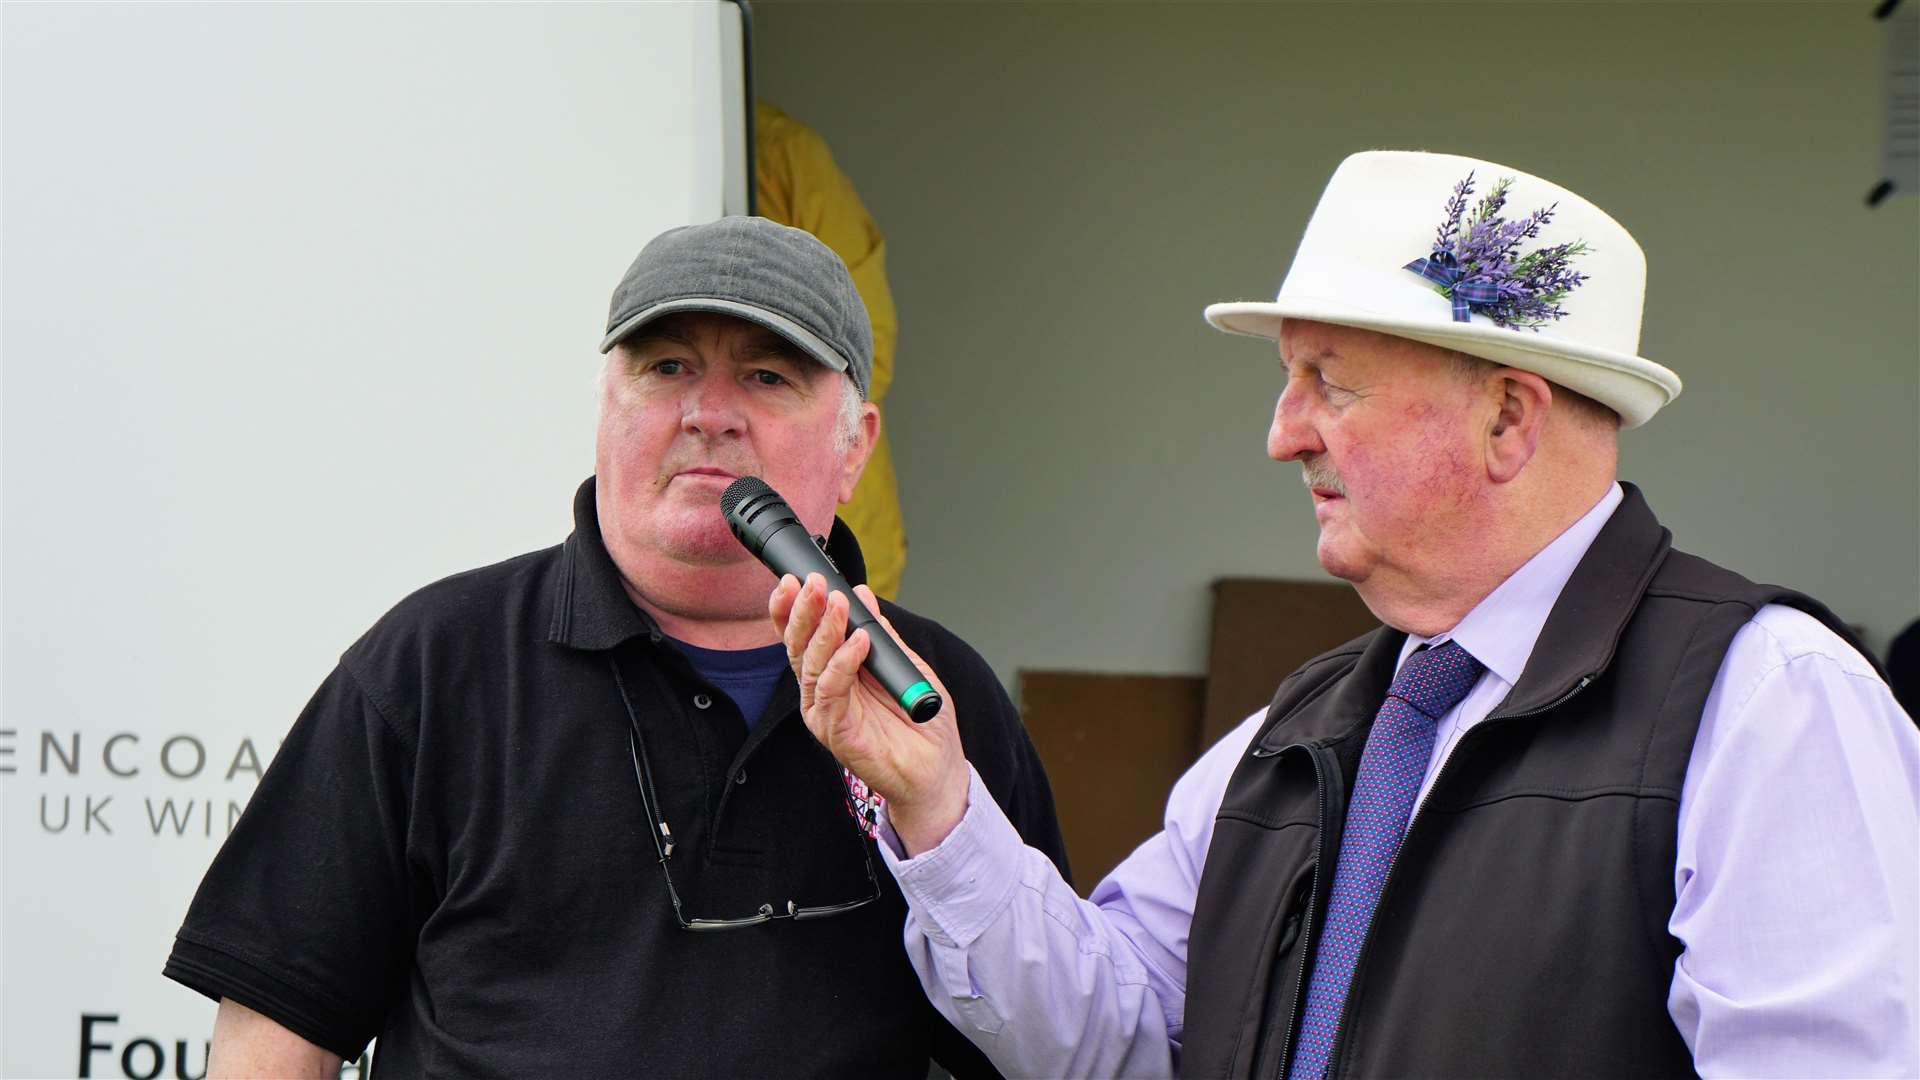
{"x": 1522, "y": 930}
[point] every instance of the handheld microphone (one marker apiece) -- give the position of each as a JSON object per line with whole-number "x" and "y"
{"x": 763, "y": 522}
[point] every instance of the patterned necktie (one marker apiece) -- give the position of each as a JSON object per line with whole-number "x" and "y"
{"x": 1394, "y": 762}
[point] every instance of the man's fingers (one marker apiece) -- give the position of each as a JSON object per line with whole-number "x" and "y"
{"x": 842, "y": 670}
{"x": 827, "y": 636}
{"x": 802, "y": 616}
{"x": 780, "y": 602}
{"x": 833, "y": 719}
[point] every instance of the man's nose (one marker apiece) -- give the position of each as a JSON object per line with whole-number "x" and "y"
{"x": 1293, "y": 435}
{"x": 713, "y": 407}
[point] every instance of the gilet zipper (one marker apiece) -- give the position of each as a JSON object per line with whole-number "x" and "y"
{"x": 1314, "y": 754}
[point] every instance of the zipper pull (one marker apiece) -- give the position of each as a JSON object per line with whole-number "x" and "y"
{"x": 666, "y": 833}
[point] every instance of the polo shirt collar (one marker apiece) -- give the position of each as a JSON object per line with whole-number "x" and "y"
{"x": 591, "y": 608}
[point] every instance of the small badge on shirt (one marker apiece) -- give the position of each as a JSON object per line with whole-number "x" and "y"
{"x": 864, "y": 803}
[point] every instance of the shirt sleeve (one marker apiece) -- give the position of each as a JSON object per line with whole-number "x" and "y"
{"x": 1049, "y": 984}
{"x": 302, "y": 915}
{"x": 1797, "y": 895}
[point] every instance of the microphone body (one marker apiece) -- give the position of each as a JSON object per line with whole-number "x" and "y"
{"x": 766, "y": 526}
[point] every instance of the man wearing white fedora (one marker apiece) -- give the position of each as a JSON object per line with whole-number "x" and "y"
{"x": 1585, "y": 806}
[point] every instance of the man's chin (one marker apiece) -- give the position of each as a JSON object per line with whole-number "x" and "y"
{"x": 704, "y": 543}
{"x": 707, "y": 551}
{"x": 1341, "y": 564}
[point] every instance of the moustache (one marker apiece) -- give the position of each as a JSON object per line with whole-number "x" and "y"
{"x": 1318, "y": 472}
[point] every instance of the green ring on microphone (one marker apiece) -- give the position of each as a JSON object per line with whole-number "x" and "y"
{"x": 914, "y": 693}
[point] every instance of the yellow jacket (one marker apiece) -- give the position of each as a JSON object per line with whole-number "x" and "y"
{"x": 796, "y": 183}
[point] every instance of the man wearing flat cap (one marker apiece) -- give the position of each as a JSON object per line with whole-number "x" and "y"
{"x": 1585, "y": 805}
{"x": 559, "y": 816}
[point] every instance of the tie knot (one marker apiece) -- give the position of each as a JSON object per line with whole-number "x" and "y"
{"x": 1434, "y": 680}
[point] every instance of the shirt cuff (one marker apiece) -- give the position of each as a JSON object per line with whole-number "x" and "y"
{"x": 960, "y": 886}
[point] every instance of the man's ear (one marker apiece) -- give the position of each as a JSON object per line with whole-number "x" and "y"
{"x": 1521, "y": 401}
{"x": 865, "y": 436}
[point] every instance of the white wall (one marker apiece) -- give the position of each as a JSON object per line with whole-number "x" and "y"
{"x": 1065, "y": 186}
{"x": 301, "y": 307}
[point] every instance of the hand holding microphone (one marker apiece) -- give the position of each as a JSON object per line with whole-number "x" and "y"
{"x": 763, "y": 522}
{"x": 921, "y": 768}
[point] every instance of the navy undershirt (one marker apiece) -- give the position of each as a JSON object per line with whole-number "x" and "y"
{"x": 748, "y": 676}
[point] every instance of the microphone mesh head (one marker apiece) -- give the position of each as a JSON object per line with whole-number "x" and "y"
{"x": 740, "y": 491}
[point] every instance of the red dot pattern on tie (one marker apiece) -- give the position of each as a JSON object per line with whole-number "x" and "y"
{"x": 1392, "y": 766}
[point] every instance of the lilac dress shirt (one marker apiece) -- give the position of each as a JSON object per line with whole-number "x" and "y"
{"x": 1797, "y": 878}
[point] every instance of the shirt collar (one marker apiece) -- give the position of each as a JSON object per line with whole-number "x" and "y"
{"x": 591, "y": 608}
{"x": 1502, "y": 629}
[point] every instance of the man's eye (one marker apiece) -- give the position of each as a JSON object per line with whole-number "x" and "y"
{"x": 670, "y": 367}
{"x": 769, "y": 378}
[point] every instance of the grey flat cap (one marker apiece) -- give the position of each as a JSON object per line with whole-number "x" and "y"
{"x": 781, "y": 278}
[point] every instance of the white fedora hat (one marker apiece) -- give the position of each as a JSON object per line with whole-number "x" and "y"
{"x": 1384, "y": 210}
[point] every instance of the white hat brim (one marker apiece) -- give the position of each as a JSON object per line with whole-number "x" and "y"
{"x": 1632, "y": 386}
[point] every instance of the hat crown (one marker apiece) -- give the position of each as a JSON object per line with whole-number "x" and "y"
{"x": 756, "y": 269}
{"x": 1381, "y": 209}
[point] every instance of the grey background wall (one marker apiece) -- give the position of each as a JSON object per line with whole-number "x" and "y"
{"x": 1065, "y": 186}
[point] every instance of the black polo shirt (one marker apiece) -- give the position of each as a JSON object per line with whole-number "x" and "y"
{"x": 450, "y": 851}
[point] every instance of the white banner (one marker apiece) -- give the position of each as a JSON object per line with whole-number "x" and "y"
{"x": 300, "y": 308}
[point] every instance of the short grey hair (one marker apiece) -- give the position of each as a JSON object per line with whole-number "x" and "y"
{"x": 847, "y": 427}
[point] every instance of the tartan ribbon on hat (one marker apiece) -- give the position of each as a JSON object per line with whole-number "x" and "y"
{"x": 1444, "y": 270}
